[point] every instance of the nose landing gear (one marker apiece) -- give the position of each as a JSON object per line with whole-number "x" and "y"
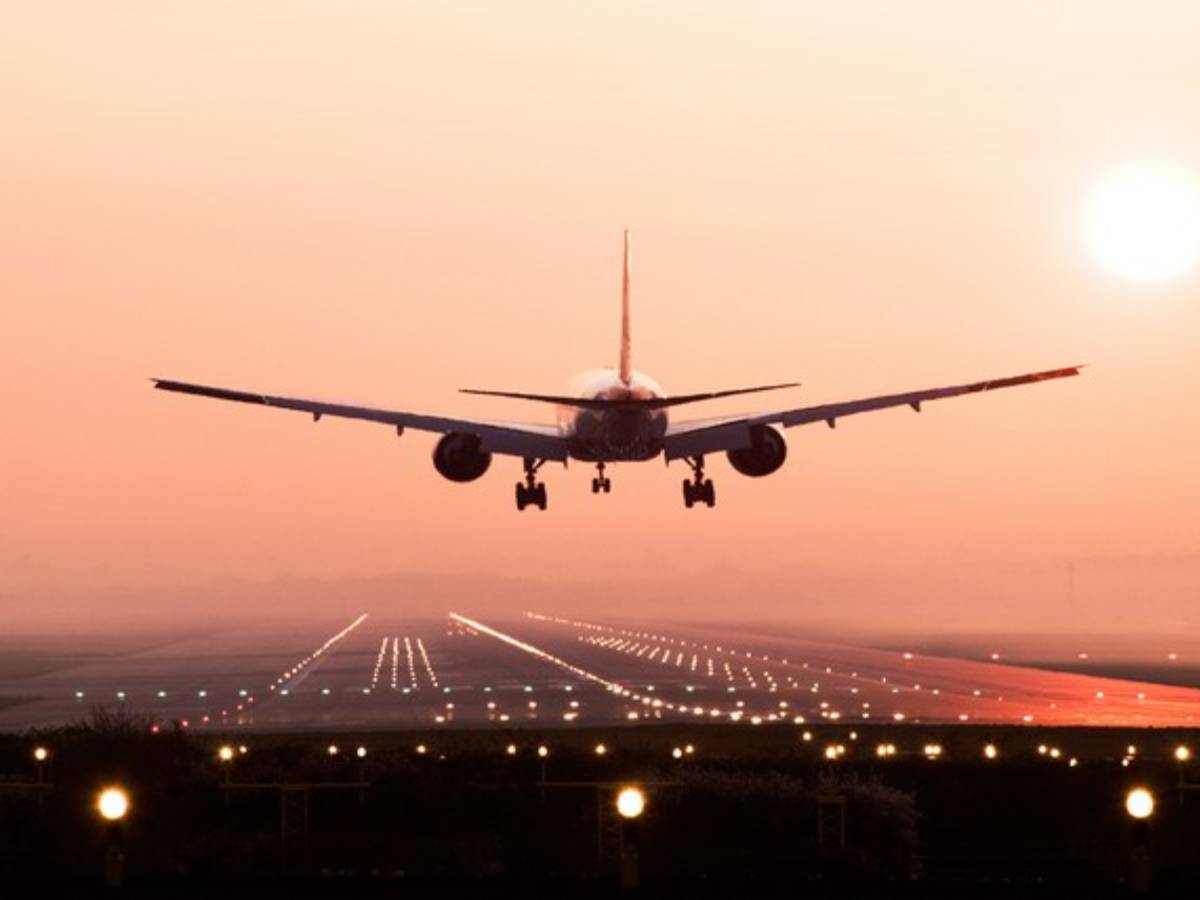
{"x": 600, "y": 482}
{"x": 532, "y": 492}
{"x": 699, "y": 489}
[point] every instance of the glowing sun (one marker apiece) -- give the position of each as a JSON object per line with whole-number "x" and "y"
{"x": 1143, "y": 221}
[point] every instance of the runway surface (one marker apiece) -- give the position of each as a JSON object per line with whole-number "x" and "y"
{"x": 369, "y": 672}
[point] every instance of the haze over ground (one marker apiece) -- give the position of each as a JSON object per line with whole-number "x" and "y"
{"x": 383, "y": 204}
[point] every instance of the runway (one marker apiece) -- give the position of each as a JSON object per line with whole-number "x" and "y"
{"x": 371, "y": 672}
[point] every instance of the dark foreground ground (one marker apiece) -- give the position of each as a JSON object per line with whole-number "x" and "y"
{"x": 748, "y": 812}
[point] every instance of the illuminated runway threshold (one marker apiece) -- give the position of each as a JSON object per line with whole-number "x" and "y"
{"x": 645, "y": 699}
{"x": 779, "y": 678}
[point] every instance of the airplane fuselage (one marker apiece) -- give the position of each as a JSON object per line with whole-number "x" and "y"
{"x": 618, "y": 433}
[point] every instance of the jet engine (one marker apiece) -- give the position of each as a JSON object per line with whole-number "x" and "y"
{"x": 766, "y": 452}
{"x": 460, "y": 457}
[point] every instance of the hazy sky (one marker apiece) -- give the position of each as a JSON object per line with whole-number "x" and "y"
{"x": 383, "y": 202}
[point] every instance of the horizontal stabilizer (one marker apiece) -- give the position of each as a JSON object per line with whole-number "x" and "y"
{"x": 645, "y": 403}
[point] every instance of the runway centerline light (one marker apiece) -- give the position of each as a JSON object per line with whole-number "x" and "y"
{"x": 113, "y": 804}
{"x": 1139, "y": 803}
{"x": 631, "y": 802}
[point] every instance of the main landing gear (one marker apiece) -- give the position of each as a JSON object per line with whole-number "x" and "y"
{"x": 699, "y": 489}
{"x": 600, "y": 482}
{"x": 532, "y": 492}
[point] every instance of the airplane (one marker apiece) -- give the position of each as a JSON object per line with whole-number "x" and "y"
{"x": 615, "y": 415}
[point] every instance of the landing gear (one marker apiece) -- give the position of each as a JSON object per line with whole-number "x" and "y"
{"x": 699, "y": 489}
{"x": 532, "y": 492}
{"x": 600, "y": 482}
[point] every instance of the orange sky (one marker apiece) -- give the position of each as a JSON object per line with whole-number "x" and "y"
{"x": 383, "y": 202}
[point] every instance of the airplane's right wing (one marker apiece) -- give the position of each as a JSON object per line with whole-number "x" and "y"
{"x": 695, "y": 438}
{"x": 513, "y": 439}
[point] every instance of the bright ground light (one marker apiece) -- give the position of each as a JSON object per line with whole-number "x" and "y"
{"x": 113, "y": 803}
{"x": 631, "y": 802}
{"x": 1139, "y": 803}
{"x": 1142, "y": 221}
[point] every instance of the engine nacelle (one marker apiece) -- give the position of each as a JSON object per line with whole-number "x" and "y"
{"x": 766, "y": 452}
{"x": 460, "y": 457}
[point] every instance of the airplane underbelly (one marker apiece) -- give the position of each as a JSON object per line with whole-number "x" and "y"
{"x": 617, "y": 434}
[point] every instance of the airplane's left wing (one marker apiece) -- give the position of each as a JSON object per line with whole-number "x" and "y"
{"x": 694, "y": 438}
{"x": 510, "y": 438}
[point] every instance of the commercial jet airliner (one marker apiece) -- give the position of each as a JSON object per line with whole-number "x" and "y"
{"x": 615, "y": 415}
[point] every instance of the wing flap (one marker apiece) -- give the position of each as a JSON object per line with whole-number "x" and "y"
{"x": 710, "y": 436}
{"x": 834, "y": 411}
{"x": 511, "y": 439}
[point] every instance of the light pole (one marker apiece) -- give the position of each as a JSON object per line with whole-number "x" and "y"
{"x": 225, "y": 755}
{"x": 1139, "y": 804}
{"x": 113, "y": 805}
{"x": 1182, "y": 754}
{"x": 543, "y": 753}
{"x": 361, "y": 753}
{"x": 631, "y": 803}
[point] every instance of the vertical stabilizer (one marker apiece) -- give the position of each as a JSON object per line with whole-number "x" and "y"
{"x": 625, "y": 370}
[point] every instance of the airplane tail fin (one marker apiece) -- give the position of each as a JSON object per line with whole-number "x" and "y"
{"x": 625, "y": 369}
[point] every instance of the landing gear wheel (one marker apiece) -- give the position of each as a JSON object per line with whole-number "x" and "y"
{"x": 531, "y": 492}
{"x": 601, "y": 482}
{"x": 699, "y": 489}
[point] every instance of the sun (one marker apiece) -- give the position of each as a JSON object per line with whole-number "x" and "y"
{"x": 1142, "y": 221}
